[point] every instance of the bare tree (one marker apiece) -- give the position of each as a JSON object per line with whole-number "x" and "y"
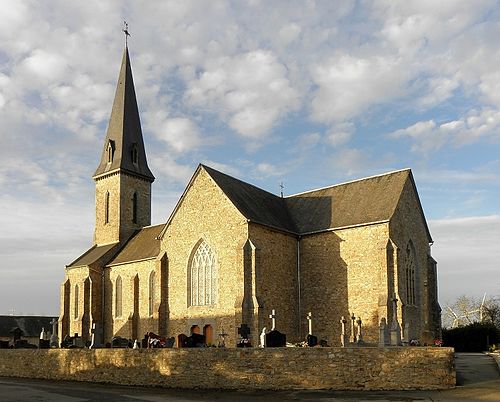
{"x": 467, "y": 310}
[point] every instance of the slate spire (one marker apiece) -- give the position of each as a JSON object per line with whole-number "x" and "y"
{"x": 124, "y": 146}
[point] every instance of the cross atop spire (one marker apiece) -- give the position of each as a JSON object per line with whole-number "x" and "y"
{"x": 126, "y": 32}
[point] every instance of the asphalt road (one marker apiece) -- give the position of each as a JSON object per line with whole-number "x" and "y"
{"x": 478, "y": 378}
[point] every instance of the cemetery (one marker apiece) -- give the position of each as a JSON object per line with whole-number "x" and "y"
{"x": 263, "y": 361}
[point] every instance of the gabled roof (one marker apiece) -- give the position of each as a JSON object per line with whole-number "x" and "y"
{"x": 255, "y": 204}
{"x": 30, "y": 325}
{"x": 124, "y": 134}
{"x": 92, "y": 255}
{"x": 369, "y": 200}
{"x": 141, "y": 246}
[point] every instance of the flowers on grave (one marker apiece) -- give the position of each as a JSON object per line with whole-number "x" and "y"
{"x": 438, "y": 342}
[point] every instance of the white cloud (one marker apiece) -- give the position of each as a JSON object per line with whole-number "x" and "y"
{"x": 250, "y": 91}
{"x": 467, "y": 253}
{"x": 429, "y": 136}
{"x": 339, "y": 134}
{"x": 180, "y": 133}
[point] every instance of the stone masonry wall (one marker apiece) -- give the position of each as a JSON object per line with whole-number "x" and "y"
{"x": 253, "y": 368}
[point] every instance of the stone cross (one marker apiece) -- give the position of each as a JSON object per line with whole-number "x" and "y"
{"x": 222, "y": 339}
{"x": 263, "y": 338}
{"x": 244, "y": 331}
{"x": 382, "y": 340}
{"x": 309, "y": 320}
{"x": 272, "y": 316}
{"x": 359, "y": 337}
{"x": 395, "y": 328}
{"x": 353, "y": 332}
{"x": 343, "y": 337}
{"x": 54, "y": 340}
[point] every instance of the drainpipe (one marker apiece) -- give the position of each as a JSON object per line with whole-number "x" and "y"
{"x": 299, "y": 304}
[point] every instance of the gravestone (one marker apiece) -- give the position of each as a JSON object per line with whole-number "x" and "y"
{"x": 262, "y": 338}
{"x": 170, "y": 342}
{"x": 312, "y": 340}
{"x": 244, "y": 332}
{"x": 136, "y": 345}
{"x": 96, "y": 341}
{"x": 352, "y": 339}
{"x": 181, "y": 340}
{"x": 275, "y": 339}
{"x": 119, "y": 342}
{"x": 359, "y": 336}
{"x": 222, "y": 339}
{"x": 272, "y": 316}
{"x": 54, "y": 339}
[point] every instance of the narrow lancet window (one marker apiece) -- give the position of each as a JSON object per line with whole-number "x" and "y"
{"x": 152, "y": 292}
{"x": 135, "y": 154}
{"x": 110, "y": 150}
{"x": 410, "y": 275}
{"x": 203, "y": 281}
{"x": 106, "y": 208}
{"x": 134, "y": 208}
{"x": 118, "y": 296}
{"x": 76, "y": 309}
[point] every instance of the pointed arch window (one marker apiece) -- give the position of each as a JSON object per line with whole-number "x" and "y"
{"x": 110, "y": 150}
{"x": 203, "y": 276}
{"x": 134, "y": 208}
{"x": 152, "y": 292}
{"x": 410, "y": 275}
{"x": 76, "y": 301}
{"x": 106, "y": 208}
{"x": 118, "y": 296}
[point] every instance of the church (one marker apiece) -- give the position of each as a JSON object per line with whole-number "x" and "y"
{"x": 230, "y": 253}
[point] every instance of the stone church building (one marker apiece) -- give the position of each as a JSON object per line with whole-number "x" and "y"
{"x": 231, "y": 252}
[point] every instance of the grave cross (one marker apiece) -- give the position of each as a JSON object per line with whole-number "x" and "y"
{"x": 352, "y": 339}
{"x": 309, "y": 319}
{"x": 244, "y": 331}
{"x": 273, "y": 318}
{"x": 54, "y": 340}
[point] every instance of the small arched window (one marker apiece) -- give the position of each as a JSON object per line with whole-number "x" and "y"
{"x": 410, "y": 275}
{"x": 118, "y": 296}
{"x": 134, "y": 208}
{"x": 152, "y": 292}
{"x": 110, "y": 150}
{"x": 106, "y": 208}
{"x": 203, "y": 276}
{"x": 76, "y": 307}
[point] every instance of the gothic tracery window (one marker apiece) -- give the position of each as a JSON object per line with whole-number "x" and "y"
{"x": 152, "y": 292}
{"x": 410, "y": 275}
{"x": 118, "y": 296}
{"x": 203, "y": 283}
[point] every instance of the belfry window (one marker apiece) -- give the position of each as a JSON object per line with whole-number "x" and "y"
{"x": 135, "y": 154}
{"x": 106, "y": 208}
{"x": 203, "y": 276}
{"x": 152, "y": 292}
{"x": 410, "y": 275}
{"x": 76, "y": 311}
{"x": 118, "y": 296}
{"x": 134, "y": 208}
{"x": 110, "y": 150}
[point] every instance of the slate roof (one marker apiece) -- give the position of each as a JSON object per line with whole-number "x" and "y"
{"x": 358, "y": 202}
{"x": 124, "y": 129}
{"x": 30, "y": 325}
{"x": 255, "y": 204}
{"x": 143, "y": 245}
{"x": 92, "y": 255}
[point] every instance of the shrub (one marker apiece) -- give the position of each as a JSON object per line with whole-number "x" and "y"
{"x": 475, "y": 337}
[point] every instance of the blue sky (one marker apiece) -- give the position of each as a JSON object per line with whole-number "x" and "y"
{"x": 308, "y": 93}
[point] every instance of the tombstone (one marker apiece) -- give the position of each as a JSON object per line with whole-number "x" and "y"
{"x": 54, "y": 339}
{"x": 275, "y": 339}
{"x": 181, "y": 340}
{"x": 312, "y": 341}
{"x": 170, "y": 342}
{"x": 244, "y": 332}
{"x": 344, "y": 340}
{"x": 359, "y": 336}
{"x": 382, "y": 339}
{"x": 96, "y": 341}
{"x": 352, "y": 339}
{"x": 395, "y": 328}
{"x": 136, "y": 345}
{"x": 406, "y": 335}
{"x": 309, "y": 321}
{"x": 262, "y": 338}
{"x": 119, "y": 342}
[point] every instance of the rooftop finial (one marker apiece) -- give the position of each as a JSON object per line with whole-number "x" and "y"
{"x": 125, "y": 30}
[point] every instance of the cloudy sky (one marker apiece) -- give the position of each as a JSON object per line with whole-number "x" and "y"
{"x": 308, "y": 93}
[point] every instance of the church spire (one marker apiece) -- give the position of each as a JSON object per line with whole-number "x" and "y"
{"x": 124, "y": 146}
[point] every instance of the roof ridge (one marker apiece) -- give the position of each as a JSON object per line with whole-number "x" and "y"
{"x": 348, "y": 182}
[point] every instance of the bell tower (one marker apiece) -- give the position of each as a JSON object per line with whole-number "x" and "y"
{"x": 123, "y": 179}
